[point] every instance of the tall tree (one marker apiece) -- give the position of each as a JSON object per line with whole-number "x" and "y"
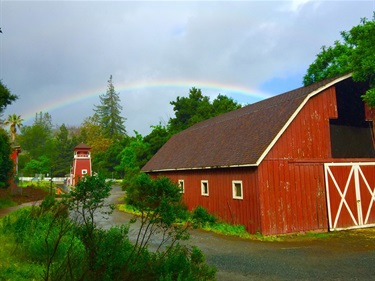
{"x": 6, "y": 98}
{"x": 64, "y": 150}
{"x": 133, "y": 157}
{"x": 36, "y": 141}
{"x": 355, "y": 53}
{"x": 189, "y": 110}
{"x": 92, "y": 133}
{"x": 6, "y": 163}
{"x": 44, "y": 120}
{"x": 197, "y": 107}
{"x": 156, "y": 139}
{"x": 14, "y": 121}
{"x": 109, "y": 112}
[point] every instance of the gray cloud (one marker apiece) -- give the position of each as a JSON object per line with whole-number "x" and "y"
{"x": 53, "y": 51}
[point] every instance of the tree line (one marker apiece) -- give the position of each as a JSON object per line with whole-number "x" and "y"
{"x": 49, "y": 150}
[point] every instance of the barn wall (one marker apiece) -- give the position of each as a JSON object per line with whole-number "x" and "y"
{"x": 220, "y": 200}
{"x": 291, "y": 177}
{"x": 292, "y": 197}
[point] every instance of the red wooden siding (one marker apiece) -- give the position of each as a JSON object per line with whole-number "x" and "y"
{"x": 291, "y": 178}
{"x": 220, "y": 200}
{"x": 292, "y": 197}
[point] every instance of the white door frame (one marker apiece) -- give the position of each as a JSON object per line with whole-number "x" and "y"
{"x": 359, "y": 221}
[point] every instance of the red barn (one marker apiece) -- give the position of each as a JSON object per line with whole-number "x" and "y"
{"x": 81, "y": 163}
{"x": 300, "y": 161}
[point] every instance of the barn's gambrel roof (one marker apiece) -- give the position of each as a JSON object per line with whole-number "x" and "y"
{"x": 239, "y": 138}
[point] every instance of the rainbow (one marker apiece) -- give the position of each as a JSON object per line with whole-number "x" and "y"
{"x": 123, "y": 88}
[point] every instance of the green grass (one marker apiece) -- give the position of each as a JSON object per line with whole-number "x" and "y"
{"x": 219, "y": 227}
{"x": 128, "y": 209}
{"x": 6, "y": 202}
{"x": 223, "y": 228}
{"x": 36, "y": 184}
{"x": 228, "y": 229}
{"x": 13, "y": 265}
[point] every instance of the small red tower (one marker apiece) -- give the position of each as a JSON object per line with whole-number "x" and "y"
{"x": 81, "y": 163}
{"x": 14, "y": 156}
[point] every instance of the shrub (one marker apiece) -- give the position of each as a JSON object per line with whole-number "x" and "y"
{"x": 201, "y": 218}
{"x": 191, "y": 265}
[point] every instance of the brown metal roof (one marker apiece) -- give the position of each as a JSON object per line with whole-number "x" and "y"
{"x": 82, "y": 146}
{"x": 237, "y": 138}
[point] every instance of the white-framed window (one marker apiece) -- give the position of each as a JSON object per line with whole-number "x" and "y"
{"x": 84, "y": 171}
{"x": 204, "y": 187}
{"x": 237, "y": 189}
{"x": 182, "y": 185}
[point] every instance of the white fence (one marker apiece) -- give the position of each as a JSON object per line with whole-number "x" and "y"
{"x": 54, "y": 179}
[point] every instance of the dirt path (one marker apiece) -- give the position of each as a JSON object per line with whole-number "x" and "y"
{"x": 6, "y": 211}
{"x": 346, "y": 255}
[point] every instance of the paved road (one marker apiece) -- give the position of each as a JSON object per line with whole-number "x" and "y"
{"x": 346, "y": 256}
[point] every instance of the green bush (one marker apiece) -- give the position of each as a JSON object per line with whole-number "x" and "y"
{"x": 191, "y": 265}
{"x": 46, "y": 238}
{"x": 201, "y": 218}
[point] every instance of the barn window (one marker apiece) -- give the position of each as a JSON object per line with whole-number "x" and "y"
{"x": 84, "y": 171}
{"x": 237, "y": 190}
{"x": 204, "y": 187}
{"x": 351, "y": 134}
{"x": 181, "y": 184}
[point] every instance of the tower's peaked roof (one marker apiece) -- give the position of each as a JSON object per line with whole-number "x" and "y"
{"x": 82, "y": 146}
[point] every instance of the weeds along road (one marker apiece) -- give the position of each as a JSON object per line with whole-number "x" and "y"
{"x": 348, "y": 255}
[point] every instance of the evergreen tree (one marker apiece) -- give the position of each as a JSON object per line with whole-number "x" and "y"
{"x": 64, "y": 149}
{"x": 44, "y": 120}
{"x": 109, "y": 110}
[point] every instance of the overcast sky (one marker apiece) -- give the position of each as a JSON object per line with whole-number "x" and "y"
{"x": 57, "y": 56}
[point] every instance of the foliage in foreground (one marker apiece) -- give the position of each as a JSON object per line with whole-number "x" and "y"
{"x": 6, "y": 163}
{"x": 57, "y": 236}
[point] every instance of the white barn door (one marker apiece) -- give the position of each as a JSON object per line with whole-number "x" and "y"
{"x": 350, "y": 189}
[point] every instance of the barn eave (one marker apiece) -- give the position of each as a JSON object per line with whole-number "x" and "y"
{"x": 200, "y": 168}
